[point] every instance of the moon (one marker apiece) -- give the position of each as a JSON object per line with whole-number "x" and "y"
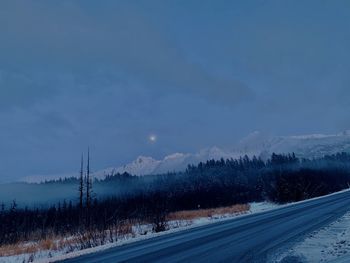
{"x": 153, "y": 138}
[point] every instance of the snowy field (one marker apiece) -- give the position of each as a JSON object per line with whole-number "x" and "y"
{"x": 138, "y": 234}
{"x": 329, "y": 244}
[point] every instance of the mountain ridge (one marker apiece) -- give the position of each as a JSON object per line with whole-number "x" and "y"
{"x": 256, "y": 143}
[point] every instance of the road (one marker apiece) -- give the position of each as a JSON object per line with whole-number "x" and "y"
{"x": 246, "y": 239}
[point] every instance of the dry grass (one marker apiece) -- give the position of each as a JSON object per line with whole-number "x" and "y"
{"x": 73, "y": 242}
{"x": 194, "y": 214}
{"x": 95, "y": 238}
{"x": 27, "y": 248}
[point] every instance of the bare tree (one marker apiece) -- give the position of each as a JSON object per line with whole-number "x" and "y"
{"x": 81, "y": 183}
{"x": 88, "y": 182}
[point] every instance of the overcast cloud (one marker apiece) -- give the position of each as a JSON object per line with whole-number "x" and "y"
{"x": 196, "y": 73}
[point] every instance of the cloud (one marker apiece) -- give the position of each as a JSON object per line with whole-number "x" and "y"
{"x": 49, "y": 37}
{"x": 109, "y": 73}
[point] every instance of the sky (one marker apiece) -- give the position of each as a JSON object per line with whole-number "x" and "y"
{"x": 131, "y": 78}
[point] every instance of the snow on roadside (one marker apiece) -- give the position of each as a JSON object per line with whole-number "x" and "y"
{"x": 175, "y": 226}
{"x": 140, "y": 232}
{"x": 329, "y": 244}
{"x": 263, "y": 206}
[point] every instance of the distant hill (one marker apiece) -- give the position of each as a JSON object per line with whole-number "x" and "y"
{"x": 256, "y": 143}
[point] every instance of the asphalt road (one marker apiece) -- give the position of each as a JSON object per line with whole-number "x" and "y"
{"x": 250, "y": 238}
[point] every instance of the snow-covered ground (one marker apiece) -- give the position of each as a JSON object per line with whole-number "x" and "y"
{"x": 140, "y": 232}
{"x": 329, "y": 244}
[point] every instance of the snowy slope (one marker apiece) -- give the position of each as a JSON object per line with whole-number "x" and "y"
{"x": 256, "y": 143}
{"x": 307, "y": 146}
{"x": 171, "y": 163}
{"x": 143, "y": 165}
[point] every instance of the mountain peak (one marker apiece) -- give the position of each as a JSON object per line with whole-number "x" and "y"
{"x": 174, "y": 156}
{"x": 256, "y": 143}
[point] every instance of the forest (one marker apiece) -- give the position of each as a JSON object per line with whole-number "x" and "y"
{"x": 216, "y": 183}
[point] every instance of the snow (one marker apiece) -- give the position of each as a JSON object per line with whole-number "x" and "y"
{"x": 140, "y": 232}
{"x": 329, "y": 244}
{"x": 258, "y": 207}
{"x": 256, "y": 143}
{"x": 312, "y": 136}
{"x": 143, "y": 165}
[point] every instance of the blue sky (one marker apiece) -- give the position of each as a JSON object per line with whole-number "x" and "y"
{"x": 196, "y": 73}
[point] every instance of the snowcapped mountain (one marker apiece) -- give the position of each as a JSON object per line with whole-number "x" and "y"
{"x": 256, "y": 143}
{"x": 306, "y": 146}
{"x": 180, "y": 161}
{"x": 143, "y": 165}
{"x": 170, "y": 163}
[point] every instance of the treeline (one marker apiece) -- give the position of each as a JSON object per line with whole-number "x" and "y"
{"x": 215, "y": 183}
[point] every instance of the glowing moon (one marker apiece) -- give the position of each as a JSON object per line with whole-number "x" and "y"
{"x": 152, "y": 138}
